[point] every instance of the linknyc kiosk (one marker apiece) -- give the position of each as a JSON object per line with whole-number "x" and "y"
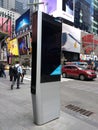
{"x": 46, "y": 67}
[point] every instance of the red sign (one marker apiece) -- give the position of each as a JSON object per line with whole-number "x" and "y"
{"x": 5, "y": 25}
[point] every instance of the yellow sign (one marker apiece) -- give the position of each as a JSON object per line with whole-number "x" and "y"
{"x": 75, "y": 45}
{"x": 13, "y": 47}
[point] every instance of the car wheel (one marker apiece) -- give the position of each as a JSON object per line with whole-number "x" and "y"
{"x": 82, "y": 77}
{"x": 64, "y": 75}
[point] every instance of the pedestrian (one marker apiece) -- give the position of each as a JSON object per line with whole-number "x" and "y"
{"x": 2, "y": 69}
{"x": 93, "y": 65}
{"x": 17, "y": 72}
{"x": 23, "y": 73}
{"x": 11, "y": 72}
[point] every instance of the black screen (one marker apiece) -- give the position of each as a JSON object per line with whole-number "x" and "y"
{"x": 51, "y": 48}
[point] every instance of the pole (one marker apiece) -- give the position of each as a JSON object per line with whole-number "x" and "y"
{"x": 93, "y": 46}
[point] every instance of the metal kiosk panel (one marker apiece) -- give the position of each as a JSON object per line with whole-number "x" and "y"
{"x": 46, "y": 68}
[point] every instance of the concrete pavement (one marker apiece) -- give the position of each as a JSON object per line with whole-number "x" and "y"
{"x": 16, "y": 112}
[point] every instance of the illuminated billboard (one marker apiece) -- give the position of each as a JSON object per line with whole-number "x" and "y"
{"x": 49, "y": 6}
{"x": 24, "y": 44}
{"x": 89, "y": 43}
{"x": 12, "y": 47}
{"x": 71, "y": 38}
{"x": 23, "y": 21}
{"x": 59, "y": 8}
{"x": 5, "y": 25}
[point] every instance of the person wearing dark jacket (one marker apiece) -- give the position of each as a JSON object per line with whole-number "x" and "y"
{"x": 11, "y": 72}
{"x": 3, "y": 74}
{"x": 17, "y": 69}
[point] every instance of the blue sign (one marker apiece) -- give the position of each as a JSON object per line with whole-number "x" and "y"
{"x": 23, "y": 21}
{"x": 57, "y": 71}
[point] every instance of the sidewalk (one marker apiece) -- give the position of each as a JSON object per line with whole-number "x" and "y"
{"x": 16, "y": 112}
{"x": 27, "y": 77}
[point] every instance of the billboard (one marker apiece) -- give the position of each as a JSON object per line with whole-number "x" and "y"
{"x": 12, "y": 47}
{"x": 25, "y": 44}
{"x": 71, "y": 38}
{"x": 22, "y": 44}
{"x": 23, "y": 21}
{"x": 49, "y": 6}
{"x": 89, "y": 43}
{"x": 5, "y": 25}
{"x": 59, "y": 8}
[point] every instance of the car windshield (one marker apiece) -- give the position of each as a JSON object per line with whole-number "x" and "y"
{"x": 82, "y": 68}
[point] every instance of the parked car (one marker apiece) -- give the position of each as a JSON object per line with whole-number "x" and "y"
{"x": 81, "y": 64}
{"x": 78, "y": 63}
{"x": 75, "y": 71}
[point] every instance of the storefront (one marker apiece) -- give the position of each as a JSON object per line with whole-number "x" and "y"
{"x": 71, "y": 44}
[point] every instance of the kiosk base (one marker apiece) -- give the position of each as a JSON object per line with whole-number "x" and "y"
{"x": 46, "y": 104}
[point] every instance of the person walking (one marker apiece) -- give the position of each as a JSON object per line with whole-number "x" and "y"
{"x": 3, "y": 74}
{"x": 17, "y": 72}
{"x": 23, "y": 73}
{"x": 11, "y": 72}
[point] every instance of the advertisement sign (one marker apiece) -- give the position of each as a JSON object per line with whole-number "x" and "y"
{"x": 89, "y": 43}
{"x": 12, "y": 47}
{"x": 24, "y": 44}
{"x": 59, "y": 8}
{"x": 71, "y": 38}
{"x": 5, "y": 25}
{"x": 23, "y": 21}
{"x": 49, "y": 6}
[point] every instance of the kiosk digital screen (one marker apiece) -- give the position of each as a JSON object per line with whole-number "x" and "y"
{"x": 51, "y": 49}
{"x": 50, "y": 70}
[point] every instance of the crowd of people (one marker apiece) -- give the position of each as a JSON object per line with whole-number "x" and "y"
{"x": 16, "y": 73}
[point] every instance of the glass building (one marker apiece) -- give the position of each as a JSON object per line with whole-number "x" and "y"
{"x": 9, "y": 4}
{"x": 22, "y": 5}
{"x": 86, "y": 15}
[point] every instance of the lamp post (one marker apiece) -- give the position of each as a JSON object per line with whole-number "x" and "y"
{"x": 93, "y": 46}
{"x": 35, "y": 5}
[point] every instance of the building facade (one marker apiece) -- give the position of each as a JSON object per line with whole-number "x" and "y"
{"x": 8, "y": 13}
{"x": 21, "y": 6}
{"x": 17, "y": 5}
{"x": 9, "y": 4}
{"x": 86, "y": 15}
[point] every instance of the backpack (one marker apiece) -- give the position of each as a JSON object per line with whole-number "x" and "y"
{"x": 15, "y": 70}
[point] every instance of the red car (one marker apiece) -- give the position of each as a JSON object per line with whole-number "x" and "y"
{"x": 75, "y": 71}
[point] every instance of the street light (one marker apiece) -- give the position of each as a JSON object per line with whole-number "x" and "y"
{"x": 35, "y": 4}
{"x": 93, "y": 46}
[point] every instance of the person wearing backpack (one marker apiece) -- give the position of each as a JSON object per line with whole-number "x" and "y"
{"x": 17, "y": 72}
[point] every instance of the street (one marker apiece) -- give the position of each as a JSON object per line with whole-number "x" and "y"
{"x": 82, "y": 94}
{"x": 16, "y": 105}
